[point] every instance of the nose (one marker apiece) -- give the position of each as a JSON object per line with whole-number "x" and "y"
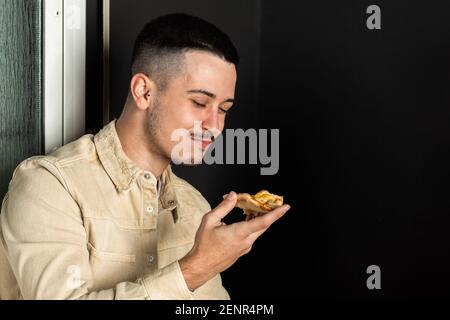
{"x": 212, "y": 120}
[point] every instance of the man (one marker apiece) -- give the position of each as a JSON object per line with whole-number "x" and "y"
{"x": 104, "y": 217}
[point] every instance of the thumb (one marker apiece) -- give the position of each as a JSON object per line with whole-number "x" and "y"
{"x": 228, "y": 203}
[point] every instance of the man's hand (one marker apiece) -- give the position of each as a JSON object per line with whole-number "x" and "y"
{"x": 217, "y": 246}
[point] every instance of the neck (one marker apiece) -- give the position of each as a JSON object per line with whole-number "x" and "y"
{"x": 136, "y": 145}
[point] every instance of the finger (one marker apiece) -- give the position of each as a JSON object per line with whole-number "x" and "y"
{"x": 255, "y": 235}
{"x": 225, "y": 206}
{"x": 246, "y": 251}
{"x": 262, "y": 222}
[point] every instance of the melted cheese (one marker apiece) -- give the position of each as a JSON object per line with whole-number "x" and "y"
{"x": 269, "y": 199}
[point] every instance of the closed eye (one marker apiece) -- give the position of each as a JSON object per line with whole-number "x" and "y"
{"x": 223, "y": 110}
{"x": 201, "y": 105}
{"x": 198, "y": 104}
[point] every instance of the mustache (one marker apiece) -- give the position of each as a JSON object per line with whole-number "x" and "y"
{"x": 206, "y": 135}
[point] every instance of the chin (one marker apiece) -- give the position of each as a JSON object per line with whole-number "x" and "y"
{"x": 190, "y": 164}
{"x": 191, "y": 161}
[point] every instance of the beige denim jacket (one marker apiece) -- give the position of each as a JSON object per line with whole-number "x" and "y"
{"x": 84, "y": 222}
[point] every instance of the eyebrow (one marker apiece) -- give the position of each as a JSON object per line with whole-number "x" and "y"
{"x": 209, "y": 94}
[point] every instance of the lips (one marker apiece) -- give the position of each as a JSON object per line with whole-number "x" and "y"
{"x": 204, "y": 142}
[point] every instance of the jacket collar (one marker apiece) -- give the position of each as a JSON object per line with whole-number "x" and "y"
{"x": 123, "y": 171}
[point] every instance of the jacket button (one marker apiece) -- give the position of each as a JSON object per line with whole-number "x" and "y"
{"x": 149, "y": 209}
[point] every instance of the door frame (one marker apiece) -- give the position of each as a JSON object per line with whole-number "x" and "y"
{"x": 64, "y": 62}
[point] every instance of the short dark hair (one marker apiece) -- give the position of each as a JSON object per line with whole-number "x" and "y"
{"x": 163, "y": 41}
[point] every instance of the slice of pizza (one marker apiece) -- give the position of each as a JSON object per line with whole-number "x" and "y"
{"x": 258, "y": 204}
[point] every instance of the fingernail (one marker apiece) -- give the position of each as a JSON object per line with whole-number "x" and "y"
{"x": 231, "y": 196}
{"x": 287, "y": 207}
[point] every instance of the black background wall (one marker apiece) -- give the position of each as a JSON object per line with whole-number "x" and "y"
{"x": 364, "y": 123}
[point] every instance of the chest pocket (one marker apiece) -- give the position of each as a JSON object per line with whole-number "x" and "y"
{"x": 112, "y": 251}
{"x": 110, "y": 268}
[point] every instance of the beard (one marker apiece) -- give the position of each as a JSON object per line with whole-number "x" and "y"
{"x": 153, "y": 127}
{"x": 159, "y": 144}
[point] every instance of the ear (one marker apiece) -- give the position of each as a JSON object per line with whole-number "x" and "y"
{"x": 143, "y": 90}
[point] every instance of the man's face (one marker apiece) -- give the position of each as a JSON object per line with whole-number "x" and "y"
{"x": 200, "y": 97}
